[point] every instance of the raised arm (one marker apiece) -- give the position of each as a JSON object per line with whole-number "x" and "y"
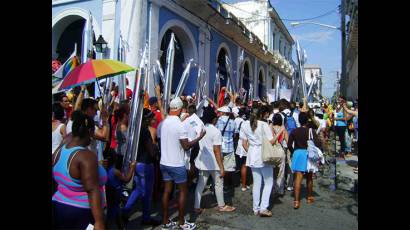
{"x": 103, "y": 133}
{"x": 351, "y": 112}
{"x": 158, "y": 94}
{"x": 80, "y": 98}
{"x": 213, "y": 103}
{"x": 305, "y": 107}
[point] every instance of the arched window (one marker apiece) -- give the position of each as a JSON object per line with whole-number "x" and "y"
{"x": 223, "y": 72}
{"x": 71, "y": 35}
{"x": 179, "y": 58}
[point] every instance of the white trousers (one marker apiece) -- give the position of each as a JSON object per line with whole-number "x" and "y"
{"x": 259, "y": 174}
{"x": 219, "y": 185}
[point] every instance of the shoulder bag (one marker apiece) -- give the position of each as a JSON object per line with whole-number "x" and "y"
{"x": 314, "y": 152}
{"x": 271, "y": 154}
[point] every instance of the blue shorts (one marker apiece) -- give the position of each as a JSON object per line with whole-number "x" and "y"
{"x": 177, "y": 174}
{"x": 299, "y": 160}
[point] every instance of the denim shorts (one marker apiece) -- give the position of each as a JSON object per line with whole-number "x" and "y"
{"x": 177, "y": 174}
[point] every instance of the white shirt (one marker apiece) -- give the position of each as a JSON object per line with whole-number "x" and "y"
{"x": 69, "y": 126}
{"x": 56, "y": 138}
{"x": 240, "y": 151}
{"x": 254, "y": 158}
{"x": 295, "y": 116}
{"x": 206, "y": 159}
{"x": 322, "y": 123}
{"x": 172, "y": 153}
{"x": 193, "y": 125}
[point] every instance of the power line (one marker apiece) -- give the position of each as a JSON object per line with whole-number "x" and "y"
{"x": 283, "y": 19}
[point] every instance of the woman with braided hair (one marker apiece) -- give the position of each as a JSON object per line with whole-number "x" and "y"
{"x": 80, "y": 195}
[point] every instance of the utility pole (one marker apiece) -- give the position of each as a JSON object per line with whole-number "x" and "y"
{"x": 337, "y": 84}
{"x": 343, "y": 33}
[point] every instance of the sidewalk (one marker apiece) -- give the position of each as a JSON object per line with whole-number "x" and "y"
{"x": 346, "y": 179}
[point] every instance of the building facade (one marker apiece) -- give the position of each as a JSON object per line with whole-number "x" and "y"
{"x": 205, "y": 30}
{"x": 313, "y": 79}
{"x": 349, "y": 85}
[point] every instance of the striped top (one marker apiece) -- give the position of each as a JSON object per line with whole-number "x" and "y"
{"x": 70, "y": 191}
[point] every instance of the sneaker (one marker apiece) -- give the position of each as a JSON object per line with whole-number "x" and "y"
{"x": 187, "y": 226}
{"x": 290, "y": 188}
{"x": 244, "y": 189}
{"x": 169, "y": 225}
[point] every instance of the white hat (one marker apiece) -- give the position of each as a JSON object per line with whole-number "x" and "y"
{"x": 235, "y": 111}
{"x": 176, "y": 104}
{"x": 225, "y": 109}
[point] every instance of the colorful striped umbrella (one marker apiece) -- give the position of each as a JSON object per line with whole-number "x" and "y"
{"x": 92, "y": 70}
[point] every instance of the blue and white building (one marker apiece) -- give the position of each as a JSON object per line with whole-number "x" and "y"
{"x": 205, "y": 30}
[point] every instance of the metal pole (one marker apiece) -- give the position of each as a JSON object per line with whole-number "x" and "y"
{"x": 169, "y": 72}
{"x": 343, "y": 33}
{"x": 301, "y": 72}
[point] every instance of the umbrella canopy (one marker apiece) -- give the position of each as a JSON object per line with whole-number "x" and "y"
{"x": 89, "y": 71}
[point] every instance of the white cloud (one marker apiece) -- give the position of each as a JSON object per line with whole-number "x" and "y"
{"x": 319, "y": 37}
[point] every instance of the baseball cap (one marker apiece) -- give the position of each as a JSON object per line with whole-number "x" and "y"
{"x": 225, "y": 109}
{"x": 176, "y": 104}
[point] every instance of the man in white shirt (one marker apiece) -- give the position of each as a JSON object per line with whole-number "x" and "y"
{"x": 209, "y": 162}
{"x": 174, "y": 143}
{"x": 193, "y": 125}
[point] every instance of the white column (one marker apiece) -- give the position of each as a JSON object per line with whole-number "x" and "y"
{"x": 108, "y": 27}
{"x": 238, "y": 69}
{"x": 153, "y": 32}
{"x": 204, "y": 51}
{"x": 255, "y": 79}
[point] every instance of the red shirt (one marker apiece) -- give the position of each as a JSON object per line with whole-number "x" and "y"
{"x": 113, "y": 144}
{"x": 128, "y": 93}
{"x": 157, "y": 116}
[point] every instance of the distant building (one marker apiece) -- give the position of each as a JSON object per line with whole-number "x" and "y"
{"x": 313, "y": 79}
{"x": 263, "y": 20}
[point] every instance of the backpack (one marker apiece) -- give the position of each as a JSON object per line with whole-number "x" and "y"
{"x": 290, "y": 123}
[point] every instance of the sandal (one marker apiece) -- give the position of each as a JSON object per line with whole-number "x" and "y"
{"x": 226, "y": 208}
{"x": 310, "y": 199}
{"x": 296, "y": 204}
{"x": 265, "y": 213}
{"x": 356, "y": 170}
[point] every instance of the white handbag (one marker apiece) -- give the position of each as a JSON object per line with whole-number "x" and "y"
{"x": 271, "y": 154}
{"x": 314, "y": 152}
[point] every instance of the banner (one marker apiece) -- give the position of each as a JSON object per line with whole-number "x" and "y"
{"x": 285, "y": 93}
{"x": 271, "y": 95}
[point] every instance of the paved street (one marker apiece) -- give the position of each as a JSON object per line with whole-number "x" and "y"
{"x": 332, "y": 210}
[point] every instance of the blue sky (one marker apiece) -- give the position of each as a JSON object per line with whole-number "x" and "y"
{"x": 322, "y": 44}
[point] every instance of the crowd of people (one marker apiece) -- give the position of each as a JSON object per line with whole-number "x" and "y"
{"x": 181, "y": 149}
